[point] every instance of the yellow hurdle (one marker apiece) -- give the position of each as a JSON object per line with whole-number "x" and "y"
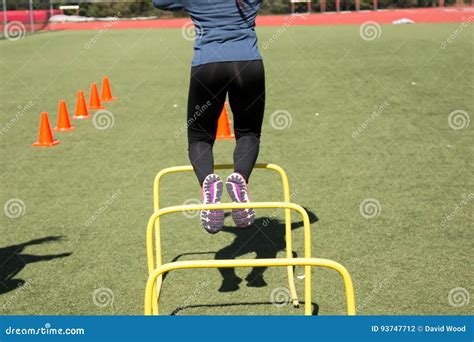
{"x": 156, "y": 268}
{"x": 286, "y": 198}
{"x": 178, "y": 265}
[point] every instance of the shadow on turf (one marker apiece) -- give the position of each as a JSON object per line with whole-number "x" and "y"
{"x": 178, "y": 310}
{"x": 265, "y": 238}
{"x": 13, "y": 260}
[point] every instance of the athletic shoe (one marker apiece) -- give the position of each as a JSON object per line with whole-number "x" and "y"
{"x": 211, "y": 192}
{"x": 239, "y": 192}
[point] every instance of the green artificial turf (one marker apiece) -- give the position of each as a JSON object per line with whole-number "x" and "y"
{"x": 95, "y": 189}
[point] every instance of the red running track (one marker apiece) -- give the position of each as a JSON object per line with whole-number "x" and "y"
{"x": 418, "y": 15}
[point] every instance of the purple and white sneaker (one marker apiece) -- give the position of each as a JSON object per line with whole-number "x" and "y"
{"x": 211, "y": 192}
{"x": 239, "y": 192}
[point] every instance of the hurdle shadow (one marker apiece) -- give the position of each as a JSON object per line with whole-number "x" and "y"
{"x": 269, "y": 304}
{"x": 13, "y": 260}
{"x": 265, "y": 238}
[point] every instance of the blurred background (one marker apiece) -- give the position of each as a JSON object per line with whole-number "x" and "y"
{"x": 36, "y": 14}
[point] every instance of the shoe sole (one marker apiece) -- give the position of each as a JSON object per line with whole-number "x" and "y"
{"x": 243, "y": 218}
{"x": 213, "y": 220}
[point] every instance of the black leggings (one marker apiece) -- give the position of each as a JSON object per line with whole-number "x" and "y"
{"x": 210, "y": 83}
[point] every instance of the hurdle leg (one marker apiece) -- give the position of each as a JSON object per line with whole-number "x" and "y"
{"x": 289, "y": 255}
{"x": 308, "y": 304}
{"x": 288, "y": 235}
{"x": 153, "y": 305}
{"x": 159, "y": 262}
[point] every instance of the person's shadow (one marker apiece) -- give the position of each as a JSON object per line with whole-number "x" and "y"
{"x": 13, "y": 260}
{"x": 265, "y": 238}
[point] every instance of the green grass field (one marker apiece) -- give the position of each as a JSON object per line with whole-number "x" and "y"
{"x": 95, "y": 189}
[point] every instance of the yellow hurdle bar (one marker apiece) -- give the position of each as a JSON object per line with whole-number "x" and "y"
{"x": 286, "y": 198}
{"x": 154, "y": 225}
{"x": 307, "y": 262}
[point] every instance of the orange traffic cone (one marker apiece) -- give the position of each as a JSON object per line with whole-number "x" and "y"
{"x": 94, "y": 100}
{"x": 64, "y": 124}
{"x": 81, "y": 108}
{"x": 45, "y": 138}
{"x": 223, "y": 126}
{"x": 106, "y": 95}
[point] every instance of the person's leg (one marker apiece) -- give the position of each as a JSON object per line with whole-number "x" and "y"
{"x": 247, "y": 100}
{"x": 245, "y": 155}
{"x": 202, "y": 159}
{"x": 207, "y": 92}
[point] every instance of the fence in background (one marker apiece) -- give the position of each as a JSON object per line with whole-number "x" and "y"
{"x": 25, "y": 16}
{"x": 19, "y": 17}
